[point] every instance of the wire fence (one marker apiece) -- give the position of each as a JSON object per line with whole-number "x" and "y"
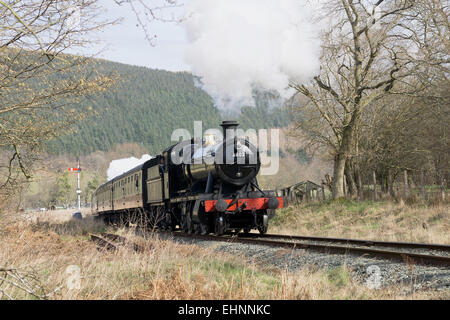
{"x": 405, "y": 186}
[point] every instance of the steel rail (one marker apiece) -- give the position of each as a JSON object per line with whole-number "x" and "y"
{"x": 368, "y": 243}
{"x": 405, "y": 257}
{"x": 111, "y": 241}
{"x": 103, "y": 243}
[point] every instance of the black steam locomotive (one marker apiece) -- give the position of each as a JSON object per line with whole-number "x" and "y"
{"x": 198, "y": 186}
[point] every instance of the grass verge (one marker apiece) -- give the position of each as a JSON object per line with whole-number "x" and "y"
{"x": 42, "y": 259}
{"x": 367, "y": 220}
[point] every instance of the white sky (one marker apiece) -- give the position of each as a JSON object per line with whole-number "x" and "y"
{"x": 126, "y": 42}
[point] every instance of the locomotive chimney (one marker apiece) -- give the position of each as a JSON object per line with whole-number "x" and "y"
{"x": 229, "y": 126}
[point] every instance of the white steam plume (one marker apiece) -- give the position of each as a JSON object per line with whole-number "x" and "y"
{"x": 117, "y": 167}
{"x": 240, "y": 45}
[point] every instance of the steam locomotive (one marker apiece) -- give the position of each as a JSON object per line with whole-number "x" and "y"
{"x": 199, "y": 186}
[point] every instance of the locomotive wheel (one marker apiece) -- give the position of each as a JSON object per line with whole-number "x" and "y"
{"x": 219, "y": 226}
{"x": 183, "y": 225}
{"x": 174, "y": 220}
{"x": 160, "y": 218}
{"x": 189, "y": 224}
{"x": 197, "y": 229}
{"x": 186, "y": 225}
{"x": 265, "y": 225}
{"x": 183, "y": 222}
{"x": 262, "y": 230}
{"x": 204, "y": 229}
{"x": 169, "y": 221}
{"x": 246, "y": 231}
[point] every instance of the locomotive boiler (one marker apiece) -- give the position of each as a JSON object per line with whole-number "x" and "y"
{"x": 198, "y": 186}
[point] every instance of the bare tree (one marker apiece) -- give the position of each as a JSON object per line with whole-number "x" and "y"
{"x": 42, "y": 87}
{"x": 363, "y": 59}
{"x": 407, "y": 129}
{"x": 148, "y": 12}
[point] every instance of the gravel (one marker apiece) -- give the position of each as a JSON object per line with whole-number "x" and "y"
{"x": 374, "y": 272}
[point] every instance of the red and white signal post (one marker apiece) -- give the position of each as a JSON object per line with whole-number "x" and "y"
{"x": 78, "y": 171}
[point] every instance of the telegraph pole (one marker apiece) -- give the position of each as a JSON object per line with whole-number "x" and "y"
{"x": 79, "y": 188}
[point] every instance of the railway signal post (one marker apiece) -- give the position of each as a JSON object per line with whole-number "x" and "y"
{"x": 78, "y": 171}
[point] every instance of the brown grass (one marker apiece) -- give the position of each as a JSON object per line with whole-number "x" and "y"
{"x": 41, "y": 251}
{"x": 367, "y": 220}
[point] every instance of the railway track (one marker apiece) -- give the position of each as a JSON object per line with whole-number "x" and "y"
{"x": 112, "y": 242}
{"x": 355, "y": 242}
{"x": 436, "y": 255}
{"x": 406, "y": 252}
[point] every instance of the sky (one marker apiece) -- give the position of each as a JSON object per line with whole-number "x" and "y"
{"x": 235, "y": 47}
{"x": 126, "y": 42}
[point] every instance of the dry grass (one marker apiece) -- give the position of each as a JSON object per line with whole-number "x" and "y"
{"x": 38, "y": 254}
{"x": 368, "y": 220}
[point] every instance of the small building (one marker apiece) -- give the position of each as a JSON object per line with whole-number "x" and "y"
{"x": 302, "y": 191}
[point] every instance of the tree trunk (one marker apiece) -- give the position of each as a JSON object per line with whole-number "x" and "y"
{"x": 405, "y": 182}
{"x": 391, "y": 186}
{"x": 345, "y": 185}
{"x": 359, "y": 184}
{"x": 384, "y": 184}
{"x": 348, "y": 138}
{"x": 350, "y": 179}
{"x": 338, "y": 176}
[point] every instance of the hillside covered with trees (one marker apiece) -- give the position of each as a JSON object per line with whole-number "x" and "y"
{"x": 145, "y": 106}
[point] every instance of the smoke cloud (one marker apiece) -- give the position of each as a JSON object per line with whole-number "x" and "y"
{"x": 117, "y": 167}
{"x": 238, "y": 46}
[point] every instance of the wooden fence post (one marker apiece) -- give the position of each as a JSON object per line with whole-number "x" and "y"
{"x": 323, "y": 191}
{"x": 405, "y": 182}
{"x": 422, "y": 184}
{"x": 441, "y": 184}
